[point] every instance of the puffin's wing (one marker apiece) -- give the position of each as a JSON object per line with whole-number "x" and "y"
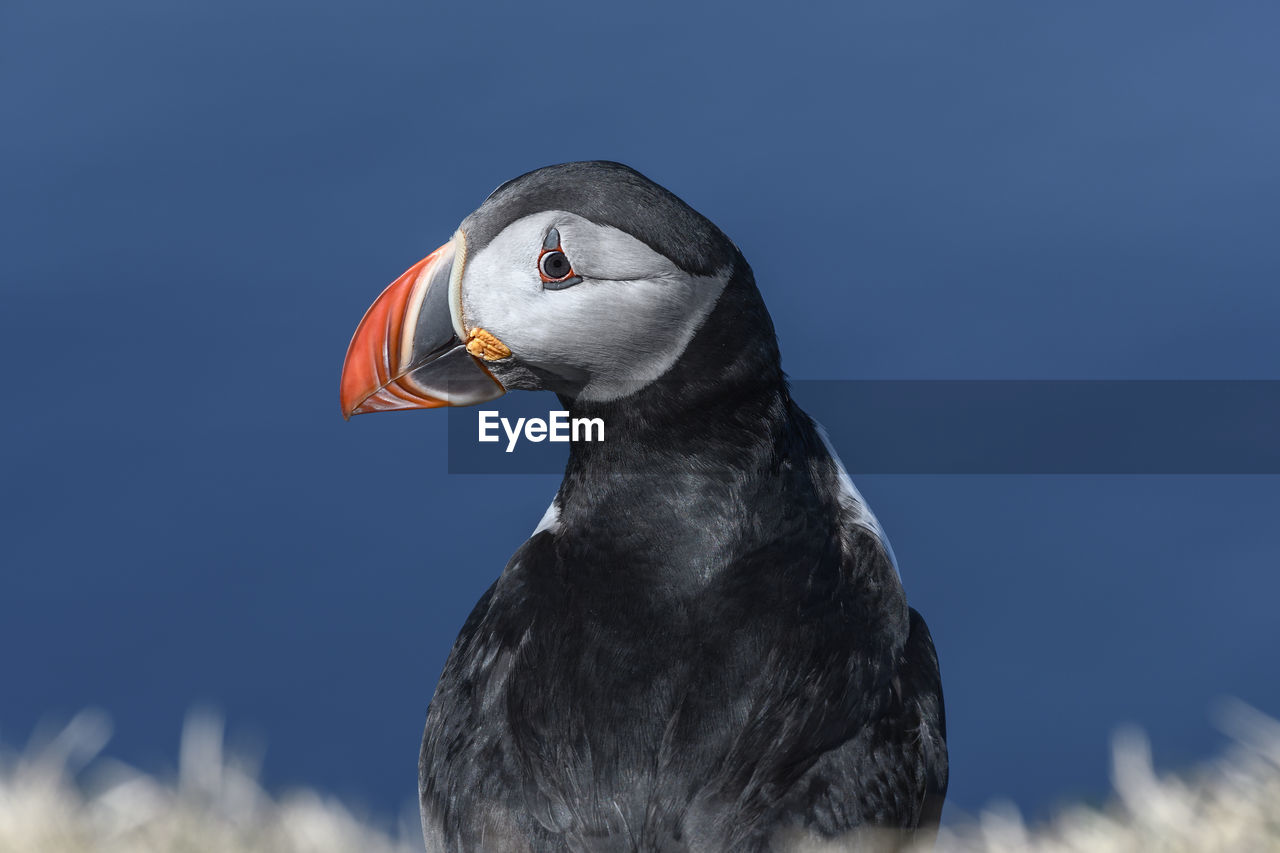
{"x": 890, "y": 773}
{"x": 921, "y": 670}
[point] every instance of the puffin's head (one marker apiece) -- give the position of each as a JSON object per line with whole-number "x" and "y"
{"x": 586, "y": 279}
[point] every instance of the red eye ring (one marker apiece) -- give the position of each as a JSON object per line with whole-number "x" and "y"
{"x": 554, "y": 266}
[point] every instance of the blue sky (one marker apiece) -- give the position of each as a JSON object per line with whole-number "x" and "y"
{"x": 201, "y": 199}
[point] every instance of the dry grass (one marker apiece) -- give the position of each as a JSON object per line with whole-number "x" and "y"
{"x": 1232, "y": 804}
{"x": 215, "y": 804}
{"x": 47, "y": 805}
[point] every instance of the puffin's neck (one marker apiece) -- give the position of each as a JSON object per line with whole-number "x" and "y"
{"x": 723, "y": 402}
{"x": 696, "y": 467}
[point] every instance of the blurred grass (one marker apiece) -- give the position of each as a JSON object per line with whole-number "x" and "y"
{"x": 59, "y": 796}
{"x": 1231, "y": 804}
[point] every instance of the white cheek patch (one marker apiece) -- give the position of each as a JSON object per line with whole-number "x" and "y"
{"x": 622, "y": 327}
{"x": 604, "y": 253}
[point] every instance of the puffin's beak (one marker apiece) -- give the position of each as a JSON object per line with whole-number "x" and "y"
{"x": 408, "y": 351}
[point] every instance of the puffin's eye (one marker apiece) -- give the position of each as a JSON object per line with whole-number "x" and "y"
{"x": 554, "y": 266}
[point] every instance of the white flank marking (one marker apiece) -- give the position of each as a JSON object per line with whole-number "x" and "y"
{"x": 855, "y": 503}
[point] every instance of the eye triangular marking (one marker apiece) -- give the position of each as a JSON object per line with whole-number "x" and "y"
{"x": 552, "y": 240}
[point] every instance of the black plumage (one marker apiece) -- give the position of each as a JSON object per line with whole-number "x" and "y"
{"x": 710, "y": 649}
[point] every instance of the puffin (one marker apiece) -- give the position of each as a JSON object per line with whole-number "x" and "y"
{"x": 705, "y": 644}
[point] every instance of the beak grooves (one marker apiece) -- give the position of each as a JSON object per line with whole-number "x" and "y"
{"x": 409, "y": 353}
{"x": 374, "y": 377}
